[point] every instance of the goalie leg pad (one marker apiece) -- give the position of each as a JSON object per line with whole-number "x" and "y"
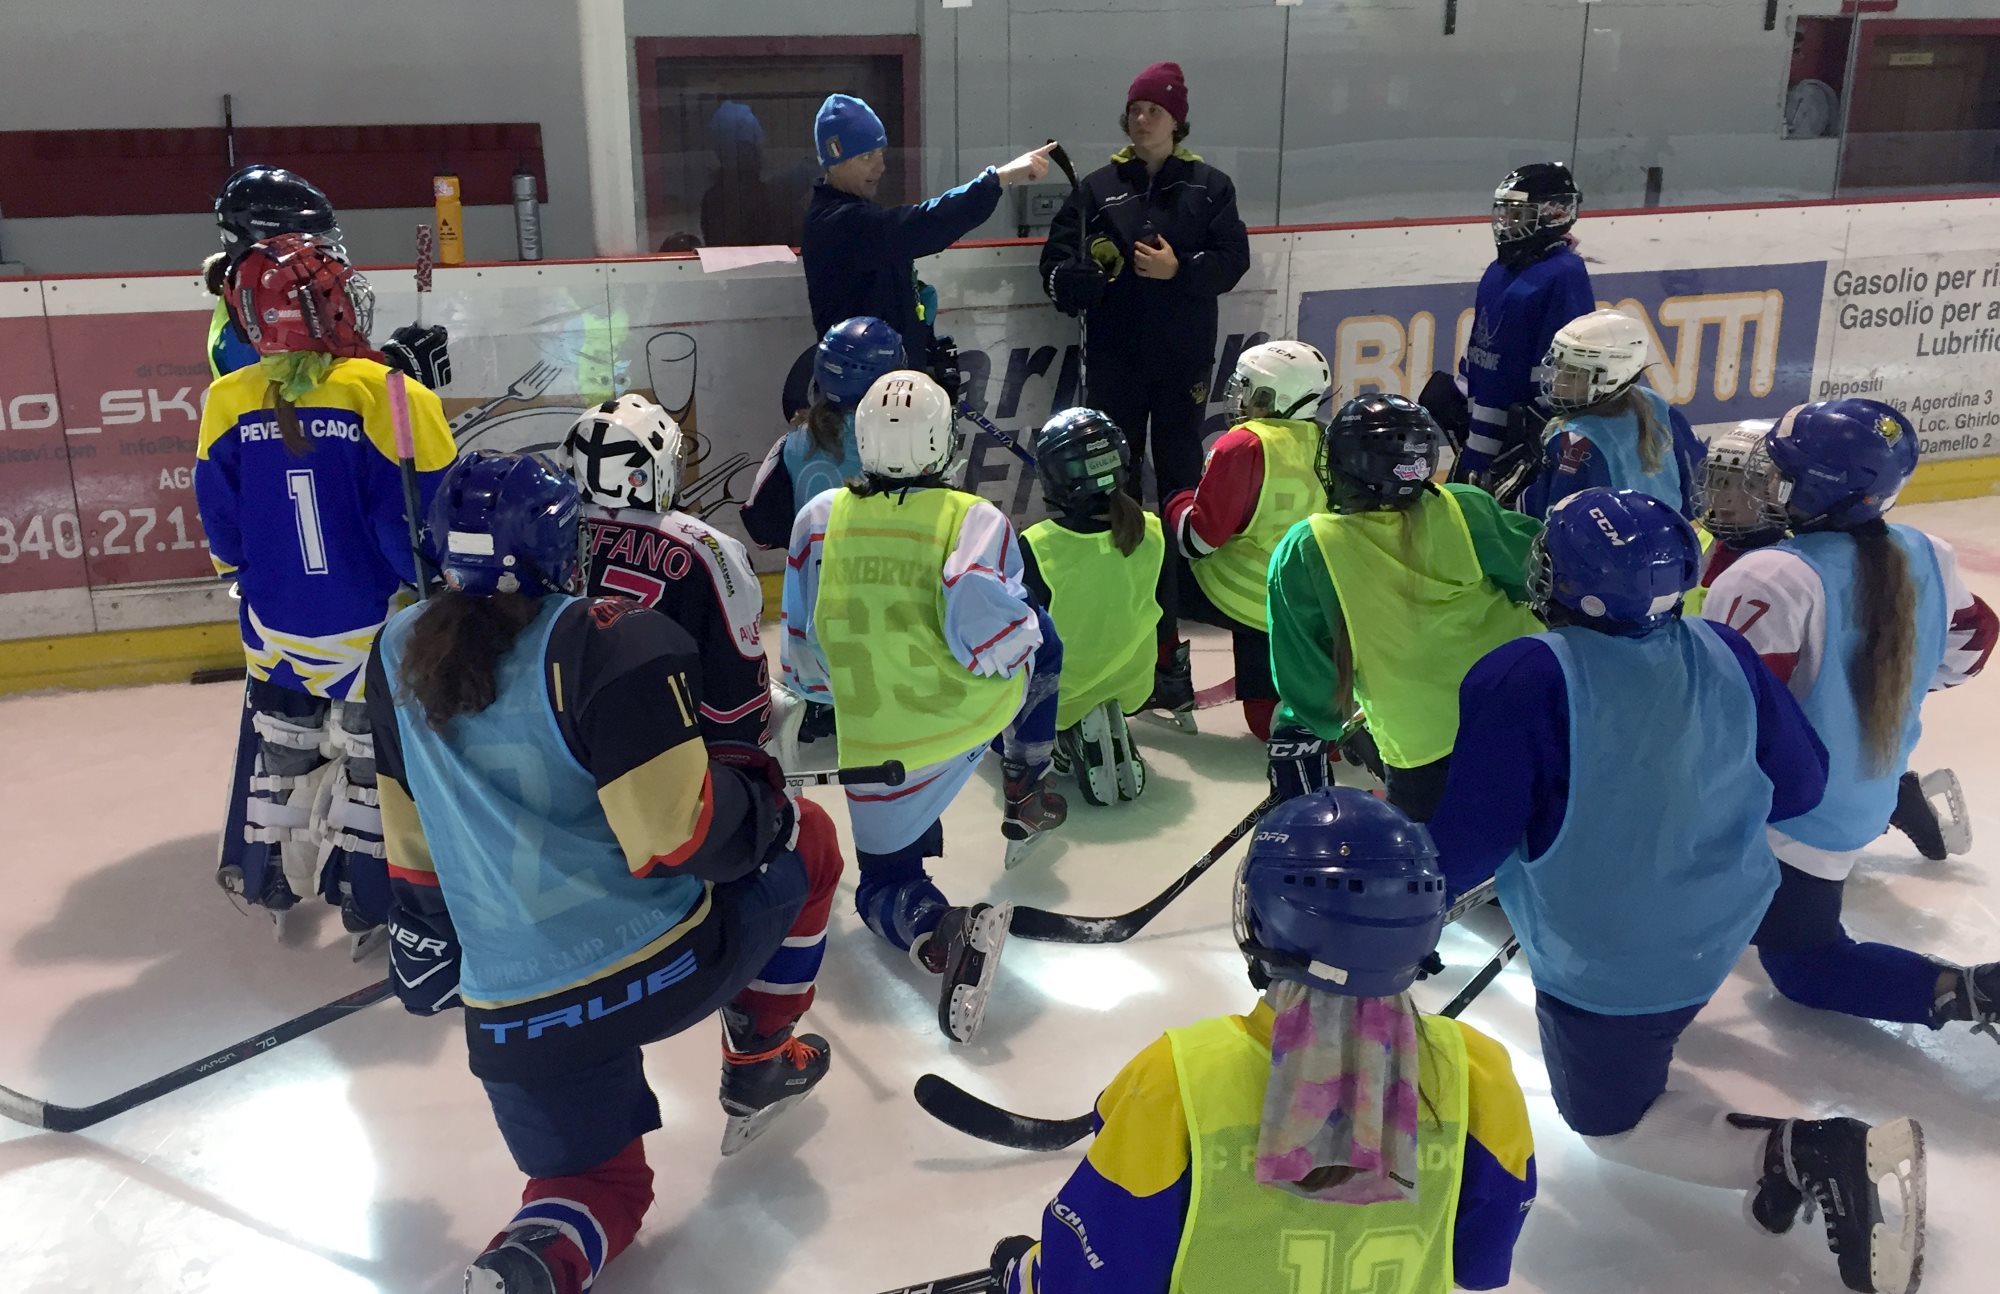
{"x": 348, "y": 820}
{"x": 288, "y": 751}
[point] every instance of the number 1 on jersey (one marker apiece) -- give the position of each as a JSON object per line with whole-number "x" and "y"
{"x": 305, "y": 509}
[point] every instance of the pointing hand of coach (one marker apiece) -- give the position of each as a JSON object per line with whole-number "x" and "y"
{"x": 1029, "y": 167}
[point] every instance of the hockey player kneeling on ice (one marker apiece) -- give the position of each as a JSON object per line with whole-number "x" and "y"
{"x": 818, "y": 454}
{"x": 1383, "y": 602}
{"x": 1609, "y": 428}
{"x": 301, "y": 498}
{"x": 904, "y": 609}
{"x": 1095, "y": 566}
{"x": 1332, "y": 1123}
{"x": 571, "y": 860}
{"x": 1860, "y": 619}
{"x": 1738, "y": 523}
{"x": 1256, "y": 483}
{"x": 1545, "y": 790}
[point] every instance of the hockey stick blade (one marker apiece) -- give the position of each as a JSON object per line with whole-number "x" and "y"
{"x": 959, "y": 1109}
{"x": 71, "y": 1118}
{"x": 1060, "y": 156}
{"x": 1062, "y": 928}
{"x": 978, "y": 1282}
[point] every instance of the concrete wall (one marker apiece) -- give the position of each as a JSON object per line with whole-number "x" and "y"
{"x": 100, "y": 64}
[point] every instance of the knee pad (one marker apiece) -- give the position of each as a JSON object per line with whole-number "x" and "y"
{"x": 352, "y": 737}
{"x": 819, "y": 850}
{"x": 288, "y": 755}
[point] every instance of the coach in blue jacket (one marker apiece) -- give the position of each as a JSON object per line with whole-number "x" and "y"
{"x": 859, "y": 255}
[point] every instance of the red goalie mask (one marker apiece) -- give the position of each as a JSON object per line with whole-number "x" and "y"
{"x": 295, "y": 293}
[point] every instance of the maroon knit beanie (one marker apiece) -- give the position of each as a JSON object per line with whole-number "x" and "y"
{"x": 1164, "y": 84}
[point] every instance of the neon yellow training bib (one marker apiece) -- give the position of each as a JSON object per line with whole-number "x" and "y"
{"x": 897, "y": 689}
{"x": 1245, "y": 1238}
{"x": 1104, "y": 607}
{"x": 1237, "y": 575}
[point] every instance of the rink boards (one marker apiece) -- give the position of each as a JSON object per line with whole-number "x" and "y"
{"x": 1754, "y": 310}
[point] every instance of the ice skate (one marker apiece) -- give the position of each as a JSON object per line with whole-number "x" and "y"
{"x": 364, "y": 937}
{"x": 1173, "y": 690}
{"x": 1937, "y": 830}
{"x": 1033, "y": 810}
{"x": 1128, "y": 764}
{"x": 1975, "y": 999}
{"x": 1835, "y": 1165}
{"x": 1086, "y": 746}
{"x": 276, "y": 899}
{"x": 516, "y": 1266}
{"x": 965, "y": 950}
{"x": 758, "y": 1086}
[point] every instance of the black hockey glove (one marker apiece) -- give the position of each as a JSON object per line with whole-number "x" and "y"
{"x": 944, "y": 368}
{"x": 1511, "y": 472}
{"x": 1007, "y": 1255}
{"x": 1447, "y": 406}
{"x": 420, "y": 353}
{"x": 1076, "y": 286}
{"x": 423, "y": 961}
{"x": 1357, "y": 747}
{"x": 1297, "y": 763}
{"x": 818, "y": 722}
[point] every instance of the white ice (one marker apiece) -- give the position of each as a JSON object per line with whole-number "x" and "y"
{"x": 363, "y": 1158}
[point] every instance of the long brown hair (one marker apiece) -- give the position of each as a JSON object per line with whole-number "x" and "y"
{"x": 825, "y": 424}
{"x": 451, "y": 662}
{"x": 1885, "y": 644}
{"x": 1654, "y": 439}
{"x": 288, "y": 423}
{"x": 1128, "y": 522}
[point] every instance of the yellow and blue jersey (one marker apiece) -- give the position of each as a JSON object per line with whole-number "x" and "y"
{"x": 1117, "y": 1223}
{"x": 317, "y": 542}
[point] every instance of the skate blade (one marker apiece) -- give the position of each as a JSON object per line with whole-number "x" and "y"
{"x": 1896, "y": 1257}
{"x": 739, "y": 1130}
{"x": 1954, "y": 823}
{"x": 1018, "y": 851}
{"x": 281, "y": 923}
{"x": 965, "y": 1010}
{"x": 362, "y": 946}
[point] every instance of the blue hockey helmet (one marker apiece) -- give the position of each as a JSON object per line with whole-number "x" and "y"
{"x": 1340, "y": 892}
{"x": 851, "y": 356}
{"x": 1082, "y": 457}
{"x": 1619, "y": 561}
{"x": 507, "y": 523}
{"x": 1838, "y": 463}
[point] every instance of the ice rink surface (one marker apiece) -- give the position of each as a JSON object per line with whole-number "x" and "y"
{"x": 363, "y": 1157}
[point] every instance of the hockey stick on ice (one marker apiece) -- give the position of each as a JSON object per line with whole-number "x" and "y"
{"x": 979, "y": 1282}
{"x": 1062, "y": 928}
{"x": 75, "y": 1118}
{"x": 957, "y": 1108}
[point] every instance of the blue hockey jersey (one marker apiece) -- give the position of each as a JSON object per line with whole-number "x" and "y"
{"x": 1516, "y": 316}
{"x": 317, "y": 542}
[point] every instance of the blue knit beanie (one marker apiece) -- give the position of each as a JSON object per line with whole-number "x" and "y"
{"x": 845, "y": 128}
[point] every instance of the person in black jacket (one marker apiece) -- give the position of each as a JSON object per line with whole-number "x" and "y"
{"x": 1164, "y": 242}
{"x": 858, "y": 255}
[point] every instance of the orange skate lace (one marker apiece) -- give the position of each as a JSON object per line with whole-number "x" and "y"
{"x": 798, "y": 1054}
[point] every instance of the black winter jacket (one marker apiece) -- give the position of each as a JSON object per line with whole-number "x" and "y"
{"x": 1193, "y": 206}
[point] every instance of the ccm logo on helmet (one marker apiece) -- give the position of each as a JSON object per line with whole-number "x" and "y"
{"x": 1604, "y": 524}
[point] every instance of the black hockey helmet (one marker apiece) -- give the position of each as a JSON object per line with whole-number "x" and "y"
{"x": 260, "y": 202}
{"x": 1380, "y": 451}
{"x": 1533, "y": 208}
{"x": 1082, "y": 457}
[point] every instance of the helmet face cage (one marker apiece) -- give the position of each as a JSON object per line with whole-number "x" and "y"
{"x": 361, "y": 295}
{"x": 1518, "y": 218}
{"x": 1573, "y": 382}
{"x": 1740, "y": 493}
{"x": 1541, "y": 579}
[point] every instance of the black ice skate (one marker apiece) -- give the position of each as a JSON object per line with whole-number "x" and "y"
{"x": 1173, "y": 689}
{"x": 1975, "y": 999}
{"x": 1128, "y": 764}
{"x": 276, "y": 898}
{"x": 363, "y": 936}
{"x": 1834, "y": 1165}
{"x": 515, "y": 1267}
{"x": 760, "y": 1085}
{"x": 1937, "y": 831}
{"x": 1033, "y": 810}
{"x": 965, "y": 950}
{"x": 1086, "y": 751}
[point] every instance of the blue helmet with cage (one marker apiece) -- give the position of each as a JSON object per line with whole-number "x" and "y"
{"x": 1838, "y": 463}
{"x": 1620, "y": 561}
{"x": 851, "y": 356}
{"x": 507, "y": 523}
{"x": 1339, "y": 892}
{"x": 1082, "y": 457}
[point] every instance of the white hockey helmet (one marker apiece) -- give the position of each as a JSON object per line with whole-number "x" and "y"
{"x": 905, "y": 428}
{"x": 1593, "y": 357}
{"x": 625, "y": 453}
{"x": 1736, "y": 498}
{"x": 1287, "y": 378}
